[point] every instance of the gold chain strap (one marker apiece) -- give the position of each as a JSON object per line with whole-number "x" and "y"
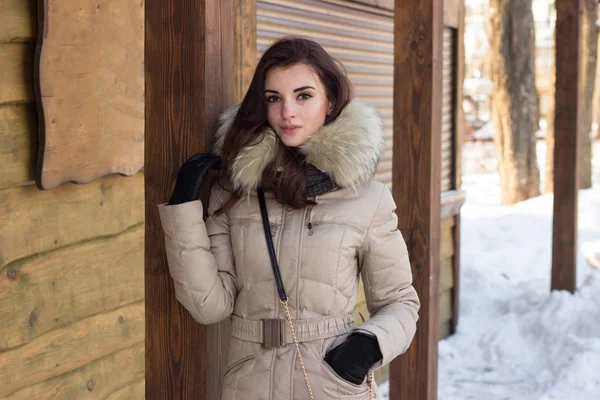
{"x": 370, "y": 376}
{"x": 370, "y": 380}
{"x": 289, "y": 319}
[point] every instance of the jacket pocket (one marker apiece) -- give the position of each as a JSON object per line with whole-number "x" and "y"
{"x": 338, "y": 378}
{"x": 236, "y": 366}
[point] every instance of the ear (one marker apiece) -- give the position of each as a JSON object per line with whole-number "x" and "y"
{"x": 330, "y": 107}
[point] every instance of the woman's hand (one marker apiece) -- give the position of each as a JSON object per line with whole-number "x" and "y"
{"x": 353, "y": 359}
{"x": 190, "y": 177}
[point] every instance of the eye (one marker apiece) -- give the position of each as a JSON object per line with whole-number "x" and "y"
{"x": 304, "y": 96}
{"x": 272, "y": 99}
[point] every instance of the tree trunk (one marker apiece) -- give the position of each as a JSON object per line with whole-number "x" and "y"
{"x": 515, "y": 99}
{"x": 589, "y": 54}
{"x": 596, "y": 111}
{"x": 549, "y": 170}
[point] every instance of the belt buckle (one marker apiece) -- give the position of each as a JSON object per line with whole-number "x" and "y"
{"x": 272, "y": 333}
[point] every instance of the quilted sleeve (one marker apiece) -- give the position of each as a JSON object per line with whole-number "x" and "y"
{"x": 385, "y": 269}
{"x": 200, "y": 257}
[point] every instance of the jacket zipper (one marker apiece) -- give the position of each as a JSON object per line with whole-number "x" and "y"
{"x": 309, "y": 224}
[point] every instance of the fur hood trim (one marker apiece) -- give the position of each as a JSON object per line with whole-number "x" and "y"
{"x": 347, "y": 149}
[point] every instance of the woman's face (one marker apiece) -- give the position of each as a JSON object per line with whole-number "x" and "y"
{"x": 297, "y": 103}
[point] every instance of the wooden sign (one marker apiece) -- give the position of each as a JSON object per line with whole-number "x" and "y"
{"x": 90, "y": 90}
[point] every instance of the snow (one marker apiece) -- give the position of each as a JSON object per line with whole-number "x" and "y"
{"x": 515, "y": 338}
{"x": 591, "y": 251}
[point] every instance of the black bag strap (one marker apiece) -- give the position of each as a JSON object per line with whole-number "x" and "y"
{"x": 270, "y": 246}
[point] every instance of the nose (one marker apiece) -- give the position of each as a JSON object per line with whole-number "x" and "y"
{"x": 288, "y": 110}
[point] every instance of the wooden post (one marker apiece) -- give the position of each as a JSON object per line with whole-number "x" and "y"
{"x": 418, "y": 28}
{"x": 244, "y": 63}
{"x": 189, "y": 80}
{"x": 245, "y": 46}
{"x": 566, "y": 125}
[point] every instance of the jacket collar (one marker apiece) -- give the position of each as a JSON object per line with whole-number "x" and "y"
{"x": 347, "y": 149}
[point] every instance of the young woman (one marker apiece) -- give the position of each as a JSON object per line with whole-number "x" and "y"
{"x": 300, "y": 138}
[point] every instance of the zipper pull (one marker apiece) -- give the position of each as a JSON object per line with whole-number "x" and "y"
{"x": 273, "y": 229}
{"x": 311, "y": 230}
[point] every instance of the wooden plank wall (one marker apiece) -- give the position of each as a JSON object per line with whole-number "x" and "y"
{"x": 71, "y": 259}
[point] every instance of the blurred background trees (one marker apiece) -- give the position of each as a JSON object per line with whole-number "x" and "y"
{"x": 589, "y": 66}
{"x": 509, "y": 89}
{"x": 515, "y": 98}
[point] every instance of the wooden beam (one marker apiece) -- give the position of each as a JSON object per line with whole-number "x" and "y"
{"x": 189, "y": 81}
{"x": 34, "y": 288}
{"x": 234, "y": 69}
{"x": 566, "y": 126}
{"x": 105, "y": 207}
{"x": 16, "y": 72}
{"x": 416, "y": 177}
{"x": 67, "y": 349}
{"x": 134, "y": 390}
{"x": 245, "y": 46}
{"x": 103, "y": 378}
{"x": 18, "y": 144}
{"x": 17, "y": 21}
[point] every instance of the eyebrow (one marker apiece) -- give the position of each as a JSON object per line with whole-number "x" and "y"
{"x": 295, "y": 90}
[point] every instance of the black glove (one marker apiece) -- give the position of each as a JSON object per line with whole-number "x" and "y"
{"x": 190, "y": 177}
{"x": 354, "y": 357}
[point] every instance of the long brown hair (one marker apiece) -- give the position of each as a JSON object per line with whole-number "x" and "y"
{"x": 284, "y": 175}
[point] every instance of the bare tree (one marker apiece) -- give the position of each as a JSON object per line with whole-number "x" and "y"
{"x": 549, "y": 170}
{"x": 589, "y": 54}
{"x": 515, "y": 99}
{"x": 589, "y": 50}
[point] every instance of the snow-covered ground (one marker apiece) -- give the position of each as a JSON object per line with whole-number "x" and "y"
{"x": 515, "y": 339}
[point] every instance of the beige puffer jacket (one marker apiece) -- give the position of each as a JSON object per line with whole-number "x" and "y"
{"x": 221, "y": 267}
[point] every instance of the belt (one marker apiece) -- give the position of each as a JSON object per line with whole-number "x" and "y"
{"x": 276, "y": 332}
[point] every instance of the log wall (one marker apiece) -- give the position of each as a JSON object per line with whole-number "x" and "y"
{"x": 71, "y": 258}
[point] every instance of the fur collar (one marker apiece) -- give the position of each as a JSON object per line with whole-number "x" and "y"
{"x": 347, "y": 149}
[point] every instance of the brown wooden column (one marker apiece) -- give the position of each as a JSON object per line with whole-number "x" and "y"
{"x": 416, "y": 181}
{"x": 189, "y": 81}
{"x": 566, "y": 123}
{"x": 245, "y": 46}
{"x": 244, "y": 62}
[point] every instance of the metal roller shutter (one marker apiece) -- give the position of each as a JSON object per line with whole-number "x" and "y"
{"x": 448, "y": 109}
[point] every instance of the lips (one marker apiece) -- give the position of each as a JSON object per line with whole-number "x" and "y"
{"x": 290, "y": 128}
